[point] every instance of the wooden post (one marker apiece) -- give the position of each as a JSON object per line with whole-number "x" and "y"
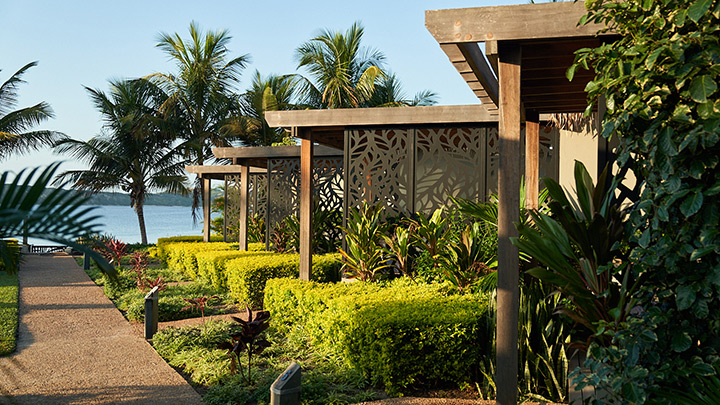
{"x": 532, "y": 159}
{"x": 244, "y": 187}
{"x": 306, "y": 203}
{"x": 508, "y": 213}
{"x": 206, "y": 193}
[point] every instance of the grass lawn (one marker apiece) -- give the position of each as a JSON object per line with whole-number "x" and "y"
{"x": 8, "y": 312}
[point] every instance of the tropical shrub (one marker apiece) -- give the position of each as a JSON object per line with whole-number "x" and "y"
{"x": 659, "y": 86}
{"x": 183, "y": 255}
{"x": 397, "y": 335}
{"x": 581, "y": 248}
{"x": 246, "y": 338}
{"x": 161, "y": 242}
{"x": 247, "y": 275}
{"x": 468, "y": 260}
{"x": 364, "y": 257}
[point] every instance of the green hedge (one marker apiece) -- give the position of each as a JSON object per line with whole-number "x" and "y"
{"x": 398, "y": 334}
{"x": 246, "y": 276}
{"x": 211, "y": 265}
{"x": 182, "y": 255}
{"x": 14, "y": 249}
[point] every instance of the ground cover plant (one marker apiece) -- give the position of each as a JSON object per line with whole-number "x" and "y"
{"x": 8, "y": 312}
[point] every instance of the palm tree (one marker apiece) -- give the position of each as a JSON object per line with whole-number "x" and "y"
{"x": 389, "y": 93}
{"x": 15, "y": 125}
{"x": 274, "y": 93}
{"x": 202, "y": 92}
{"x": 343, "y": 74}
{"x": 135, "y": 153}
{"x": 60, "y": 215}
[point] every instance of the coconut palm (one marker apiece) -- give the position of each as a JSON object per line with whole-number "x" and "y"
{"x": 16, "y": 135}
{"x": 273, "y": 93}
{"x": 343, "y": 74}
{"x": 202, "y": 89}
{"x": 389, "y": 93}
{"x": 135, "y": 153}
{"x": 202, "y": 92}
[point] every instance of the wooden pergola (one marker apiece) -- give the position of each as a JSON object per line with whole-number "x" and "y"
{"x": 327, "y": 127}
{"x": 245, "y": 162}
{"x": 521, "y": 74}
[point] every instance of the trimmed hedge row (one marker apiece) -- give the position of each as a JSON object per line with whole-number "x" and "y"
{"x": 398, "y": 334}
{"x": 183, "y": 255}
{"x": 247, "y": 276}
{"x": 13, "y": 248}
{"x": 242, "y": 273}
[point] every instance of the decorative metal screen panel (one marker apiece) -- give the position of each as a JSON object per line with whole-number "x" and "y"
{"x": 328, "y": 183}
{"x": 492, "y": 154}
{"x": 448, "y": 162}
{"x": 258, "y": 195}
{"x": 284, "y": 189}
{"x": 378, "y": 168}
{"x": 232, "y": 207}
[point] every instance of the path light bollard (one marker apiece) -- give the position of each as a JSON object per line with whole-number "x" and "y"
{"x": 151, "y": 313}
{"x": 86, "y": 262}
{"x": 286, "y": 388}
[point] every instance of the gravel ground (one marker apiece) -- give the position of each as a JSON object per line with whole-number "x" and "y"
{"x": 75, "y": 347}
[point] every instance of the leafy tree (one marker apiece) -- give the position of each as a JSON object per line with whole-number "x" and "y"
{"x": 15, "y": 125}
{"x": 659, "y": 83}
{"x": 343, "y": 74}
{"x": 136, "y": 152}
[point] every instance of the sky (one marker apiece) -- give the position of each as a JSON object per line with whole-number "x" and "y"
{"x": 88, "y": 43}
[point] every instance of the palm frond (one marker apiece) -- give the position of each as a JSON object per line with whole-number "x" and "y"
{"x": 60, "y": 216}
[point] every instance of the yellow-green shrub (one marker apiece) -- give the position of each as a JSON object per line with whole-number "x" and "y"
{"x": 398, "y": 334}
{"x": 246, "y": 276}
{"x": 161, "y": 242}
{"x": 183, "y": 255}
{"x": 211, "y": 265}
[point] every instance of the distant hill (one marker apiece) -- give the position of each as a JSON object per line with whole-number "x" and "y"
{"x": 163, "y": 199}
{"x": 105, "y": 198}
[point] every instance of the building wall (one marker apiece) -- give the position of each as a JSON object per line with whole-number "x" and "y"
{"x": 582, "y": 146}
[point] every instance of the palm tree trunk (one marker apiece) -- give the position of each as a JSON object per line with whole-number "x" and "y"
{"x": 141, "y": 221}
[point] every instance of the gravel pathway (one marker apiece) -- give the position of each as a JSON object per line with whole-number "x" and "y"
{"x": 74, "y": 346}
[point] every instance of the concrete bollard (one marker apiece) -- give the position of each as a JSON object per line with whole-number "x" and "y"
{"x": 286, "y": 388}
{"x": 151, "y": 313}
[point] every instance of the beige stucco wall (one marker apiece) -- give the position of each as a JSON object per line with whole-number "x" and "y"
{"x": 577, "y": 146}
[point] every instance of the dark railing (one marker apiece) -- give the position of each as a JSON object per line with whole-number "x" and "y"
{"x": 46, "y": 248}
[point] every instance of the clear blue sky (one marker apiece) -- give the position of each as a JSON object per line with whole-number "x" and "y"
{"x": 86, "y": 43}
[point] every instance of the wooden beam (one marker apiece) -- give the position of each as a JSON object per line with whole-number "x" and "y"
{"x": 532, "y": 159}
{"x": 306, "y": 202}
{"x": 220, "y": 169}
{"x": 243, "y": 215}
{"x": 472, "y": 66}
{"x": 502, "y": 23}
{"x": 508, "y": 214}
{"x": 270, "y": 152}
{"x": 491, "y": 52}
{"x": 206, "y": 196}
{"x": 347, "y": 117}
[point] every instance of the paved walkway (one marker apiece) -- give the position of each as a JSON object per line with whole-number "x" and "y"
{"x": 75, "y": 347}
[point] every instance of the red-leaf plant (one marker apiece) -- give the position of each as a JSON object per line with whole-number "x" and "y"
{"x": 139, "y": 261}
{"x": 248, "y": 340}
{"x": 199, "y": 304}
{"x": 114, "y": 250}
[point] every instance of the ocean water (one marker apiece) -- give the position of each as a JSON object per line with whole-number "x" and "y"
{"x": 160, "y": 222}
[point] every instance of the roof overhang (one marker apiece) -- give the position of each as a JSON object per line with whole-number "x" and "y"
{"x": 548, "y": 35}
{"x": 328, "y": 126}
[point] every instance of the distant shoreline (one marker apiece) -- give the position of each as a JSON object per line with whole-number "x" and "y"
{"x": 123, "y": 199}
